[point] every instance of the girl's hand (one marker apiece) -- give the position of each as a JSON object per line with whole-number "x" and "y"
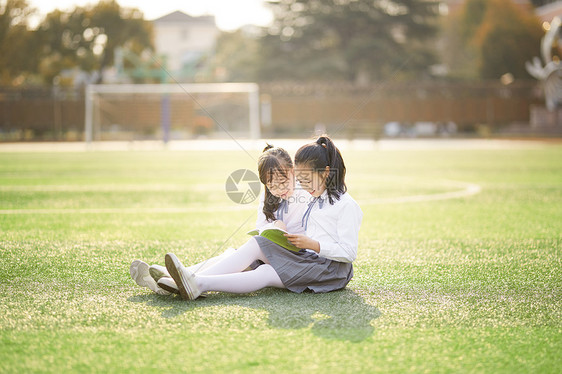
{"x": 303, "y": 241}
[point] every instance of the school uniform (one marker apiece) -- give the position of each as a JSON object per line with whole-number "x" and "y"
{"x": 336, "y": 228}
{"x": 290, "y": 211}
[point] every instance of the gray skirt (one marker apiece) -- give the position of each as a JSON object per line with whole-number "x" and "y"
{"x": 304, "y": 270}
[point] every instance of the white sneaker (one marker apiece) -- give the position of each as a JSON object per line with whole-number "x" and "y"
{"x": 168, "y": 284}
{"x": 139, "y": 273}
{"x": 185, "y": 279}
{"x": 158, "y": 271}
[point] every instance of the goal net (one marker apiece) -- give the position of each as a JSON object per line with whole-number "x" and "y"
{"x": 171, "y": 111}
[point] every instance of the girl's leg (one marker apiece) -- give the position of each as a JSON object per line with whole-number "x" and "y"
{"x": 248, "y": 281}
{"x": 210, "y": 262}
{"x": 158, "y": 271}
{"x": 237, "y": 261}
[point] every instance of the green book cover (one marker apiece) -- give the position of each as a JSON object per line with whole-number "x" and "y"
{"x": 276, "y": 235}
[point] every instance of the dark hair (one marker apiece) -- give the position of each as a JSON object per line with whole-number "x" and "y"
{"x": 318, "y": 155}
{"x": 273, "y": 160}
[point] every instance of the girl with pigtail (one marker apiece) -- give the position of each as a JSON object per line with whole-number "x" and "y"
{"x": 282, "y": 205}
{"x": 328, "y": 245}
{"x": 283, "y": 201}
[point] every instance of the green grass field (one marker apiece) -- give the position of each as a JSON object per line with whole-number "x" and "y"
{"x": 469, "y": 284}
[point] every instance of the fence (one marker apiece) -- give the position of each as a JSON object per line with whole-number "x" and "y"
{"x": 41, "y": 114}
{"x": 294, "y": 109}
{"x": 302, "y": 107}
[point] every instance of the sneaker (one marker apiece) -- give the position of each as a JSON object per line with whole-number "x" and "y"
{"x": 139, "y": 273}
{"x": 184, "y": 278}
{"x": 168, "y": 284}
{"x": 158, "y": 271}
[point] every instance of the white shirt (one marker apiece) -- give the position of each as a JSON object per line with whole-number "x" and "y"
{"x": 293, "y": 211}
{"x": 336, "y": 227}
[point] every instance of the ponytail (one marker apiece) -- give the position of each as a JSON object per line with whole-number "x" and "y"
{"x": 272, "y": 160}
{"x": 319, "y": 154}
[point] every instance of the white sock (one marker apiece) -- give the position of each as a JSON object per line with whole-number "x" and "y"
{"x": 244, "y": 282}
{"x": 236, "y": 261}
{"x": 210, "y": 262}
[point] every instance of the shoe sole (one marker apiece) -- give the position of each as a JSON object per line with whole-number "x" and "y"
{"x": 139, "y": 273}
{"x": 168, "y": 288}
{"x": 172, "y": 264}
{"x": 158, "y": 271}
{"x": 173, "y": 290}
{"x": 156, "y": 274}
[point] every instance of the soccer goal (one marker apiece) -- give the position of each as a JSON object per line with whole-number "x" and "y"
{"x": 171, "y": 111}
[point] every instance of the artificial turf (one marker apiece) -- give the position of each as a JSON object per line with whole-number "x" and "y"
{"x": 467, "y": 284}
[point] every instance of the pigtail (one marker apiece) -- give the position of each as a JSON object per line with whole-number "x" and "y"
{"x": 272, "y": 160}
{"x": 335, "y": 182}
{"x": 270, "y": 205}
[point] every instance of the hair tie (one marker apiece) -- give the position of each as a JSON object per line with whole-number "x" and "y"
{"x": 324, "y": 145}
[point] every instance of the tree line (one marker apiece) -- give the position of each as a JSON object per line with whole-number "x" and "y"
{"x": 356, "y": 41}
{"x": 84, "y": 38}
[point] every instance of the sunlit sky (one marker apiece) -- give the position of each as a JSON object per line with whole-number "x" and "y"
{"x": 229, "y": 14}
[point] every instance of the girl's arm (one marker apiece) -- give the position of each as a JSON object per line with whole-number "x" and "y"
{"x": 344, "y": 245}
{"x": 303, "y": 241}
{"x": 344, "y": 242}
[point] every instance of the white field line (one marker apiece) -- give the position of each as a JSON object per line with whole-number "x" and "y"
{"x": 112, "y": 188}
{"x": 469, "y": 190}
{"x": 129, "y": 210}
{"x": 290, "y": 145}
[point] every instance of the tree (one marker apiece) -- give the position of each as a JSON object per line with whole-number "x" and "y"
{"x": 354, "y": 40}
{"x": 472, "y": 17}
{"x": 87, "y": 37}
{"x": 122, "y": 28}
{"x": 490, "y": 38}
{"x": 237, "y": 56}
{"x": 63, "y": 45}
{"x": 506, "y": 39}
{"x": 17, "y": 55}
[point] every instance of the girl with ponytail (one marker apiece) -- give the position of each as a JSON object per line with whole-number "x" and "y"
{"x": 322, "y": 169}
{"x": 327, "y": 248}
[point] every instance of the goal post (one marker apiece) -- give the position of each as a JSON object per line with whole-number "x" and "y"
{"x": 145, "y": 110}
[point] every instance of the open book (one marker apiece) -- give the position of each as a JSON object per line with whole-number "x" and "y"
{"x": 276, "y": 235}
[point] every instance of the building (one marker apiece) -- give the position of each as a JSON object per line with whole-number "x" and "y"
{"x": 185, "y": 42}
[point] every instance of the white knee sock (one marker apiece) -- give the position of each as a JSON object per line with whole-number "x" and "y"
{"x": 244, "y": 282}
{"x": 236, "y": 261}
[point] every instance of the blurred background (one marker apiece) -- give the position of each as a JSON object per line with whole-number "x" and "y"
{"x": 355, "y": 69}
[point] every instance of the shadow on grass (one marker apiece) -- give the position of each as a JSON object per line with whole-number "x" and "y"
{"x": 339, "y": 315}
